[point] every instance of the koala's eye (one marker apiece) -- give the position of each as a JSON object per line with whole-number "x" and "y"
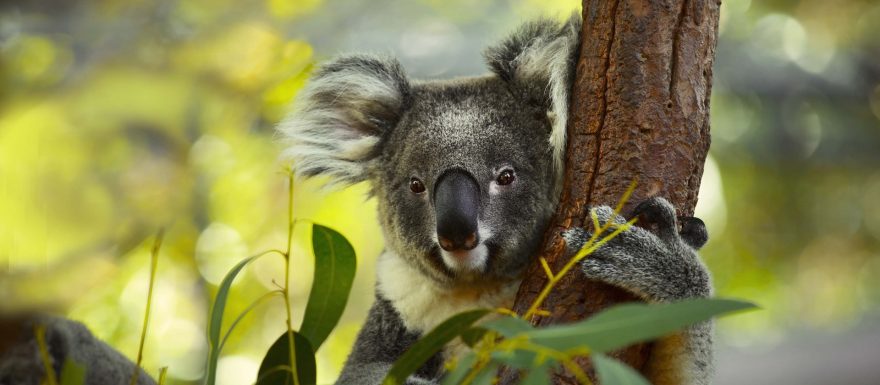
{"x": 506, "y": 177}
{"x": 416, "y": 186}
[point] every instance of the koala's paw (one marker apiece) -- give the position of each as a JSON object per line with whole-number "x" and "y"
{"x": 658, "y": 266}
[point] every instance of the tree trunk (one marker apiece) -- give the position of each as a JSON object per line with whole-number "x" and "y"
{"x": 639, "y": 111}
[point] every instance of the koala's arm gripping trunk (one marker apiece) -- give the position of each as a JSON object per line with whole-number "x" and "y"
{"x": 639, "y": 111}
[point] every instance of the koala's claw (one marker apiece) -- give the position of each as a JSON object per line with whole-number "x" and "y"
{"x": 693, "y": 232}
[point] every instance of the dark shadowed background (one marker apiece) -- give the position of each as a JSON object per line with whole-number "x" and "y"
{"x": 120, "y": 117}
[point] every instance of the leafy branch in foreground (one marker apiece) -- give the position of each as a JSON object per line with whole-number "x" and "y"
{"x": 291, "y": 358}
{"x": 512, "y": 341}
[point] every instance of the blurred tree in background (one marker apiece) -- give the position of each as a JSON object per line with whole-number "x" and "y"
{"x": 119, "y": 117}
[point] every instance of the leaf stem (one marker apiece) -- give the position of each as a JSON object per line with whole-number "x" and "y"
{"x": 40, "y": 332}
{"x": 588, "y": 248}
{"x": 250, "y": 307}
{"x": 163, "y": 371}
{"x": 154, "y": 262}
{"x": 290, "y": 224}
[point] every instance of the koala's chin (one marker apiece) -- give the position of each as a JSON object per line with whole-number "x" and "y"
{"x": 460, "y": 268}
{"x": 464, "y": 261}
{"x": 487, "y": 264}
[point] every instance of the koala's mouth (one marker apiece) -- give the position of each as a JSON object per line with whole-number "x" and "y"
{"x": 478, "y": 260}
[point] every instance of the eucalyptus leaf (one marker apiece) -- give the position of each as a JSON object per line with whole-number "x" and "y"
{"x": 215, "y": 323}
{"x": 613, "y": 372}
{"x": 627, "y": 324}
{"x": 335, "y": 265}
{"x": 471, "y": 337}
{"x": 487, "y": 374}
{"x": 431, "y": 343}
{"x": 275, "y": 368}
{"x": 509, "y": 326}
{"x": 521, "y": 359}
{"x": 462, "y": 368}
{"x": 539, "y": 375}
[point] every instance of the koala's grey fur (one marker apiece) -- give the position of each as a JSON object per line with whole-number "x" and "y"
{"x": 361, "y": 119}
{"x": 65, "y": 340}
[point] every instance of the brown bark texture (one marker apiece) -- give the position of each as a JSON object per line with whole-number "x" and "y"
{"x": 639, "y": 111}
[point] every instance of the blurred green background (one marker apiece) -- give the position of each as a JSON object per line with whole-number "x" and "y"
{"x": 121, "y": 117}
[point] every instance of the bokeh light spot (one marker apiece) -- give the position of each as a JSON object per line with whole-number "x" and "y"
{"x": 183, "y": 348}
{"x": 711, "y": 207}
{"x": 778, "y": 38}
{"x": 218, "y": 249}
{"x": 237, "y": 370}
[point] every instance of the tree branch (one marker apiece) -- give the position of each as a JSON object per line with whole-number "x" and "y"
{"x": 639, "y": 111}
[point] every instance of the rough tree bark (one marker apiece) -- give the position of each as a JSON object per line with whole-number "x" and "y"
{"x": 639, "y": 111}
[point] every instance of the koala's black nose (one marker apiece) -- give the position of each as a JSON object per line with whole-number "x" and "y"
{"x": 457, "y": 205}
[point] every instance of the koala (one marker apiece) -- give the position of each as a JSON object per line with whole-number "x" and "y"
{"x": 466, "y": 173}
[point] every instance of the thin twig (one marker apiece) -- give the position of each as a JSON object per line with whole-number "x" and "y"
{"x": 154, "y": 262}
{"x": 290, "y": 224}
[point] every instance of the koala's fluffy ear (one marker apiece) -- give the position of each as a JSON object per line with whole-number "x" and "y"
{"x": 341, "y": 116}
{"x": 542, "y": 53}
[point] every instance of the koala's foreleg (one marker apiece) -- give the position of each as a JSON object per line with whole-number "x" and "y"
{"x": 659, "y": 268}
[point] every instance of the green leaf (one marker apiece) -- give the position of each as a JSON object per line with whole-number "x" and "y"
{"x": 335, "y": 264}
{"x": 471, "y": 337}
{"x": 521, "y": 359}
{"x": 487, "y": 375}
{"x": 627, "y": 324}
{"x": 462, "y": 368}
{"x": 539, "y": 375}
{"x": 215, "y": 323}
{"x": 613, "y": 372}
{"x": 509, "y": 326}
{"x": 275, "y": 368}
{"x": 421, "y": 351}
{"x": 72, "y": 373}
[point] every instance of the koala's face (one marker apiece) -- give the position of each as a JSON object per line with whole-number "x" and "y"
{"x": 465, "y": 171}
{"x": 465, "y": 180}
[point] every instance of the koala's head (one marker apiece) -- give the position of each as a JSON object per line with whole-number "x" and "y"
{"x": 466, "y": 171}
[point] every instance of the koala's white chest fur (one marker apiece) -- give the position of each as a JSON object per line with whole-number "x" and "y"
{"x": 422, "y": 304}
